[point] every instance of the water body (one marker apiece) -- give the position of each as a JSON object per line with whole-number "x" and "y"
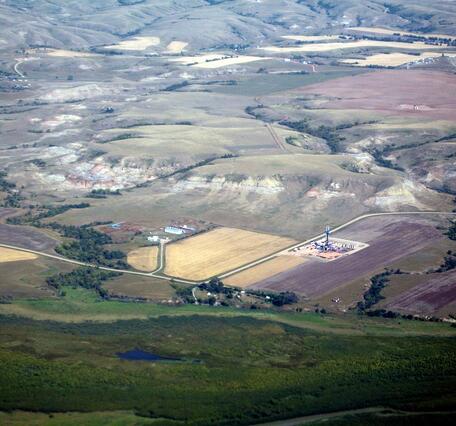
{"x": 140, "y": 355}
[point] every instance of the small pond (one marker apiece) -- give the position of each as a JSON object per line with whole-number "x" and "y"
{"x": 140, "y": 355}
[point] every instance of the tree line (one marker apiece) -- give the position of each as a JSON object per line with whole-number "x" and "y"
{"x": 88, "y": 278}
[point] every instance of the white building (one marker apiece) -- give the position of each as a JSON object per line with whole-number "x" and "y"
{"x": 175, "y": 230}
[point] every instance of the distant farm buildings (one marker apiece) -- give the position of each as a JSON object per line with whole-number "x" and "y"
{"x": 175, "y": 230}
{"x": 180, "y": 230}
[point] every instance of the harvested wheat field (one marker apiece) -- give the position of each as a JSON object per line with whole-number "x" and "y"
{"x": 304, "y": 38}
{"x": 176, "y": 46}
{"x": 236, "y": 60}
{"x": 326, "y": 47}
{"x": 10, "y": 255}
{"x": 192, "y": 60}
{"x": 218, "y": 251}
{"x": 62, "y": 53}
{"x": 215, "y": 60}
{"x": 136, "y": 43}
{"x": 143, "y": 259}
{"x": 263, "y": 270}
{"x": 391, "y": 59}
{"x": 384, "y": 31}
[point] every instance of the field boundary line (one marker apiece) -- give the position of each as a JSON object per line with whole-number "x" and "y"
{"x": 276, "y": 137}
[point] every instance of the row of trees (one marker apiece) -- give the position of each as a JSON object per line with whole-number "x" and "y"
{"x": 13, "y": 196}
{"x": 216, "y": 287}
{"x": 87, "y": 244}
{"x": 329, "y": 134}
{"x": 373, "y": 295}
{"x": 88, "y": 278}
{"x": 44, "y": 213}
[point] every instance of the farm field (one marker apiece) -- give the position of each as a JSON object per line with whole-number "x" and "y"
{"x": 192, "y": 60}
{"x": 9, "y": 255}
{"x": 62, "y": 53}
{"x": 230, "y": 61}
{"x": 143, "y": 259}
{"x": 254, "y": 124}
{"x": 385, "y": 31}
{"x": 426, "y": 259}
{"x": 218, "y": 251}
{"x": 391, "y": 59}
{"x": 314, "y": 279}
{"x": 216, "y": 60}
{"x": 428, "y": 294}
{"x": 263, "y": 270}
{"x": 148, "y": 288}
{"x": 311, "y": 38}
{"x": 273, "y": 83}
{"x": 415, "y": 265}
{"x": 176, "y": 47}
{"x": 26, "y": 237}
{"x": 26, "y": 279}
{"x": 359, "y": 44}
{"x": 136, "y": 43}
{"x": 395, "y": 91}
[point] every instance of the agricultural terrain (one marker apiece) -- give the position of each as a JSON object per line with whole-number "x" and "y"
{"x": 220, "y": 250}
{"x": 167, "y": 173}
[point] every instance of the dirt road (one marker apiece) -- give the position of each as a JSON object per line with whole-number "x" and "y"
{"x": 157, "y": 274}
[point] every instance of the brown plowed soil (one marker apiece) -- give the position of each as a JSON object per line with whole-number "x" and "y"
{"x": 435, "y": 292}
{"x": 315, "y": 278}
{"x": 26, "y": 238}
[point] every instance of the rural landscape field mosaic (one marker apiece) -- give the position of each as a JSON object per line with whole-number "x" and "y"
{"x": 227, "y": 212}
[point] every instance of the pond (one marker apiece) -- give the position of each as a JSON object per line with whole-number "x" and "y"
{"x": 140, "y": 355}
